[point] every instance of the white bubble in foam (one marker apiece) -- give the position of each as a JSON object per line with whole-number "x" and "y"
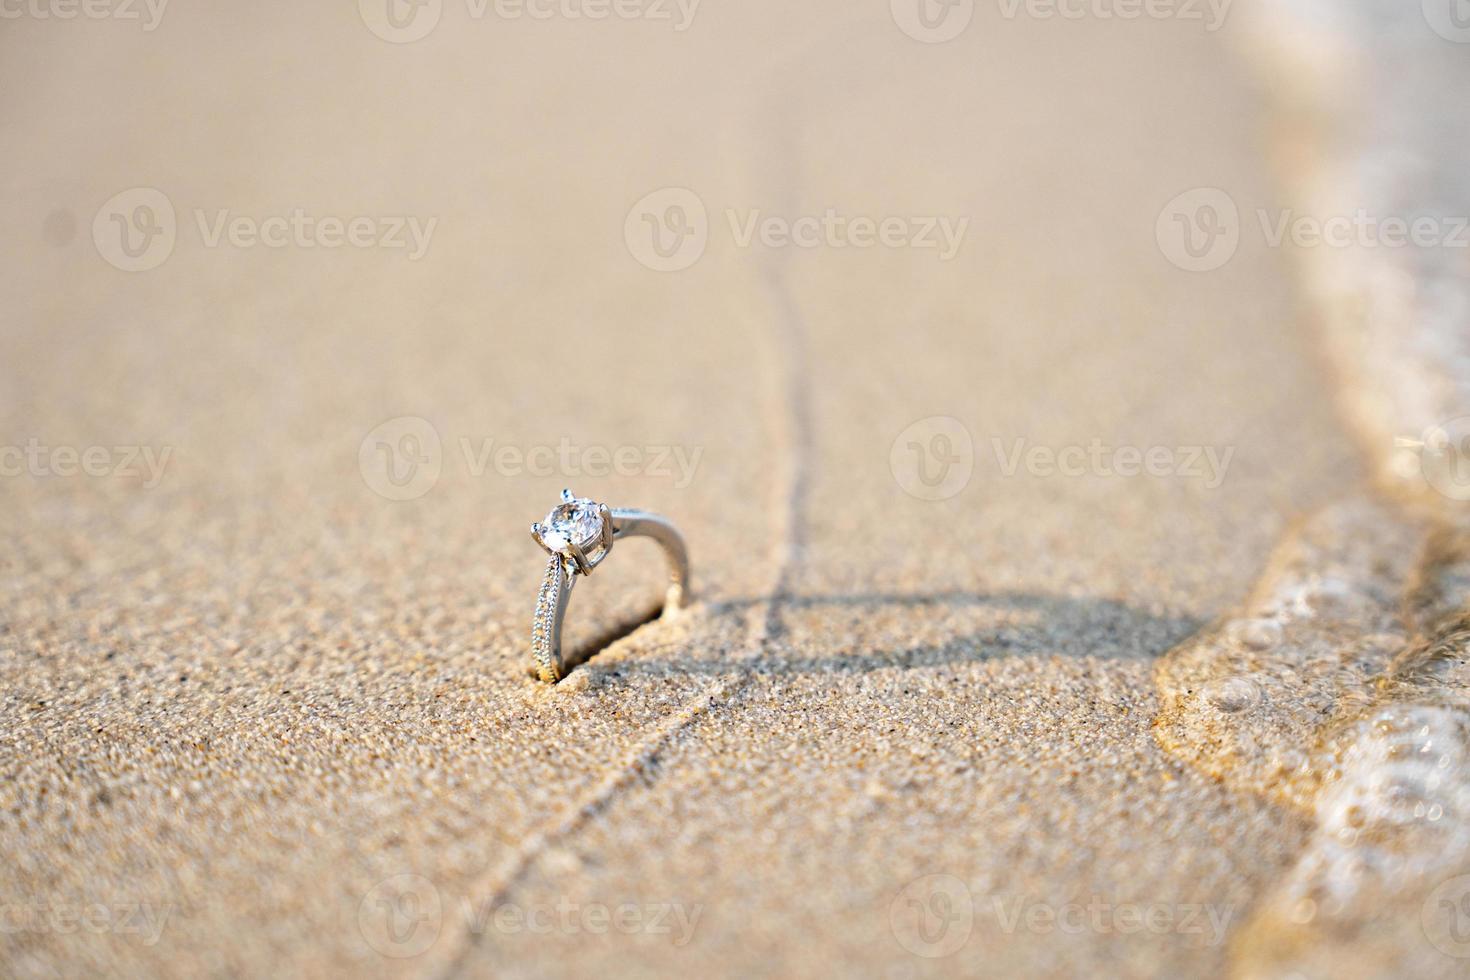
{"x": 1233, "y": 694}
{"x": 1256, "y": 634}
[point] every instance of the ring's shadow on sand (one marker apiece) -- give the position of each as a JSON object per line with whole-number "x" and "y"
{"x": 796, "y": 628}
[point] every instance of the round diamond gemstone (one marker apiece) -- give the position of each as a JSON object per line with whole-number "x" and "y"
{"x": 577, "y": 521}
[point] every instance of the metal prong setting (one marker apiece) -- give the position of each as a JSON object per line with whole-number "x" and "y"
{"x": 580, "y": 557}
{"x": 536, "y": 536}
{"x": 607, "y": 527}
{"x": 567, "y": 496}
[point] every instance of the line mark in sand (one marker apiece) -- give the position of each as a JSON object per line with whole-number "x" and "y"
{"x": 496, "y": 885}
{"x": 788, "y": 547}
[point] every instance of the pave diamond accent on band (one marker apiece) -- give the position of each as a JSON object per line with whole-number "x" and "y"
{"x": 577, "y": 536}
{"x": 542, "y": 626}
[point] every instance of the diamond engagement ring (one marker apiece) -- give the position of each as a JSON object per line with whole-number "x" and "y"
{"x": 577, "y": 535}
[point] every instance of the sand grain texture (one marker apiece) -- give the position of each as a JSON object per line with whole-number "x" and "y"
{"x": 274, "y": 706}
